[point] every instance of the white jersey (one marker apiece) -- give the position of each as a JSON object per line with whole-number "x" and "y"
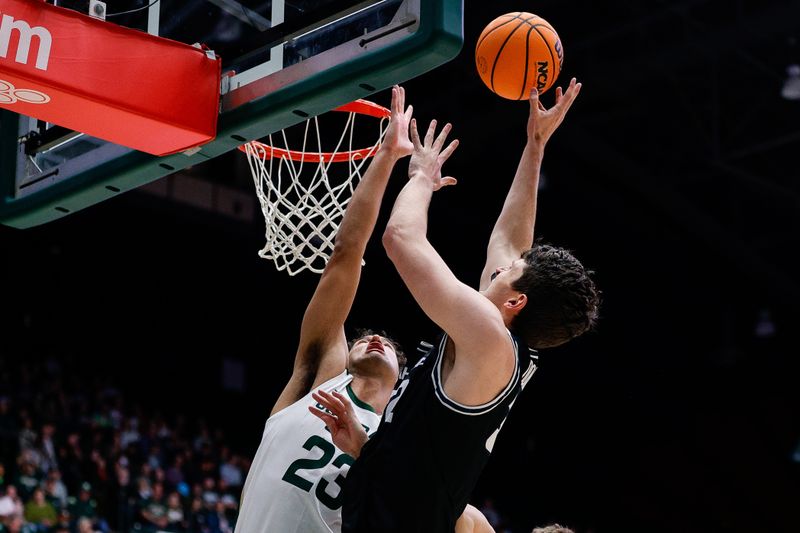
{"x": 295, "y": 482}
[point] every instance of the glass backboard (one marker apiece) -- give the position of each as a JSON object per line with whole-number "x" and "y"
{"x": 282, "y": 61}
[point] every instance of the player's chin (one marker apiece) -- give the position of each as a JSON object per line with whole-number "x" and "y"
{"x": 377, "y": 361}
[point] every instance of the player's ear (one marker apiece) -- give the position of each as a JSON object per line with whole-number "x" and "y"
{"x": 517, "y": 302}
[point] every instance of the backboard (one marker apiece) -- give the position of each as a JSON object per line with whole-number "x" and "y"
{"x": 282, "y": 61}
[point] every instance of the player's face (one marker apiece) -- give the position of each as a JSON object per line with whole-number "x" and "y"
{"x": 500, "y": 289}
{"x": 375, "y": 349}
{"x": 510, "y": 273}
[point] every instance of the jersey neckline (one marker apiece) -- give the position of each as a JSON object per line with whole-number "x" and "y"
{"x": 357, "y": 401}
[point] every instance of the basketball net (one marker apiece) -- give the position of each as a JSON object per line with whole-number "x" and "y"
{"x": 304, "y": 193}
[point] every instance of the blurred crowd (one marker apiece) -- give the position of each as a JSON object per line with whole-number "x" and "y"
{"x": 77, "y": 456}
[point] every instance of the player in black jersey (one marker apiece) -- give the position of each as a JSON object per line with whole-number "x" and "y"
{"x": 416, "y": 473}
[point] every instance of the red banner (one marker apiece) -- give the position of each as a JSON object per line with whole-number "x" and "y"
{"x": 122, "y": 85}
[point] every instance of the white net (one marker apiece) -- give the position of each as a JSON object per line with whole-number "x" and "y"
{"x": 304, "y": 200}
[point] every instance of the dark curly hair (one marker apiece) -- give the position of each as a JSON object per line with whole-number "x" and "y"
{"x": 398, "y": 349}
{"x": 552, "y": 528}
{"x": 563, "y": 301}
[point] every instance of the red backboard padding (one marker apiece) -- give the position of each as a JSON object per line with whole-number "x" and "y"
{"x": 148, "y": 93}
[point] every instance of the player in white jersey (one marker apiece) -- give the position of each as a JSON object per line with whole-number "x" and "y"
{"x": 295, "y": 482}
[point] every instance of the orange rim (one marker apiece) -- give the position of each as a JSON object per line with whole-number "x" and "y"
{"x": 362, "y": 107}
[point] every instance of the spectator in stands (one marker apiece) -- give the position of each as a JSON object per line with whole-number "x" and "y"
{"x": 174, "y": 474}
{"x": 210, "y": 494}
{"x": 130, "y": 432}
{"x": 55, "y": 490}
{"x": 85, "y": 526}
{"x": 176, "y": 520}
{"x": 217, "y": 520}
{"x": 38, "y": 511}
{"x": 229, "y": 470}
{"x": 71, "y": 458}
{"x": 27, "y": 479}
{"x": 231, "y": 505}
{"x": 18, "y": 525}
{"x": 153, "y": 511}
{"x": 197, "y": 517}
{"x": 47, "y": 448}
{"x": 11, "y": 506}
{"x": 203, "y": 438}
{"x": 27, "y": 436}
{"x": 85, "y": 506}
{"x": 119, "y": 502}
{"x": 155, "y": 458}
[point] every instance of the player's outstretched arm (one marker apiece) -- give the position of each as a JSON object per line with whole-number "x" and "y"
{"x": 322, "y": 351}
{"x": 513, "y": 231}
{"x": 469, "y": 318}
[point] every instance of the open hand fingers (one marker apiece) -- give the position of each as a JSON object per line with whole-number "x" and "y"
{"x": 449, "y": 180}
{"x": 415, "y": 134}
{"x": 442, "y": 136}
{"x": 430, "y": 133}
{"x": 330, "y": 402}
{"x": 399, "y": 102}
{"x": 338, "y": 401}
{"x": 570, "y": 96}
{"x": 571, "y": 93}
{"x": 343, "y": 400}
{"x": 447, "y": 152}
{"x": 396, "y": 105}
{"x": 534, "y": 98}
{"x": 559, "y": 94}
{"x": 329, "y": 420}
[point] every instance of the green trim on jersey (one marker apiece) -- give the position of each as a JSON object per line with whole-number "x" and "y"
{"x": 358, "y": 402}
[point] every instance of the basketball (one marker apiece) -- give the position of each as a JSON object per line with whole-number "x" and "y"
{"x": 516, "y": 52}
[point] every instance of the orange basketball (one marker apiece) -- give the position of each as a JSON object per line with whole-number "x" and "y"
{"x": 517, "y": 51}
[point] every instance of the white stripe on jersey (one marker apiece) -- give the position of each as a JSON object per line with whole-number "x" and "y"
{"x": 471, "y": 410}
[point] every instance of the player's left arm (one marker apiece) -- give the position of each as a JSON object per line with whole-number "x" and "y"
{"x": 513, "y": 231}
{"x": 322, "y": 350}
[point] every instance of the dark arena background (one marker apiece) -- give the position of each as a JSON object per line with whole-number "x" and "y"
{"x": 675, "y": 177}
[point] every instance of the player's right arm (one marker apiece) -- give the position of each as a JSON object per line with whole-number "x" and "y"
{"x": 322, "y": 350}
{"x": 473, "y": 323}
{"x": 513, "y": 231}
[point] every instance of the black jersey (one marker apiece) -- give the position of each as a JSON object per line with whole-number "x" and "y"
{"x": 416, "y": 473}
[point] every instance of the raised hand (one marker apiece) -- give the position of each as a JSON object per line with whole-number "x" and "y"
{"x": 396, "y": 139}
{"x": 428, "y": 156}
{"x": 542, "y": 122}
{"x": 346, "y": 431}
